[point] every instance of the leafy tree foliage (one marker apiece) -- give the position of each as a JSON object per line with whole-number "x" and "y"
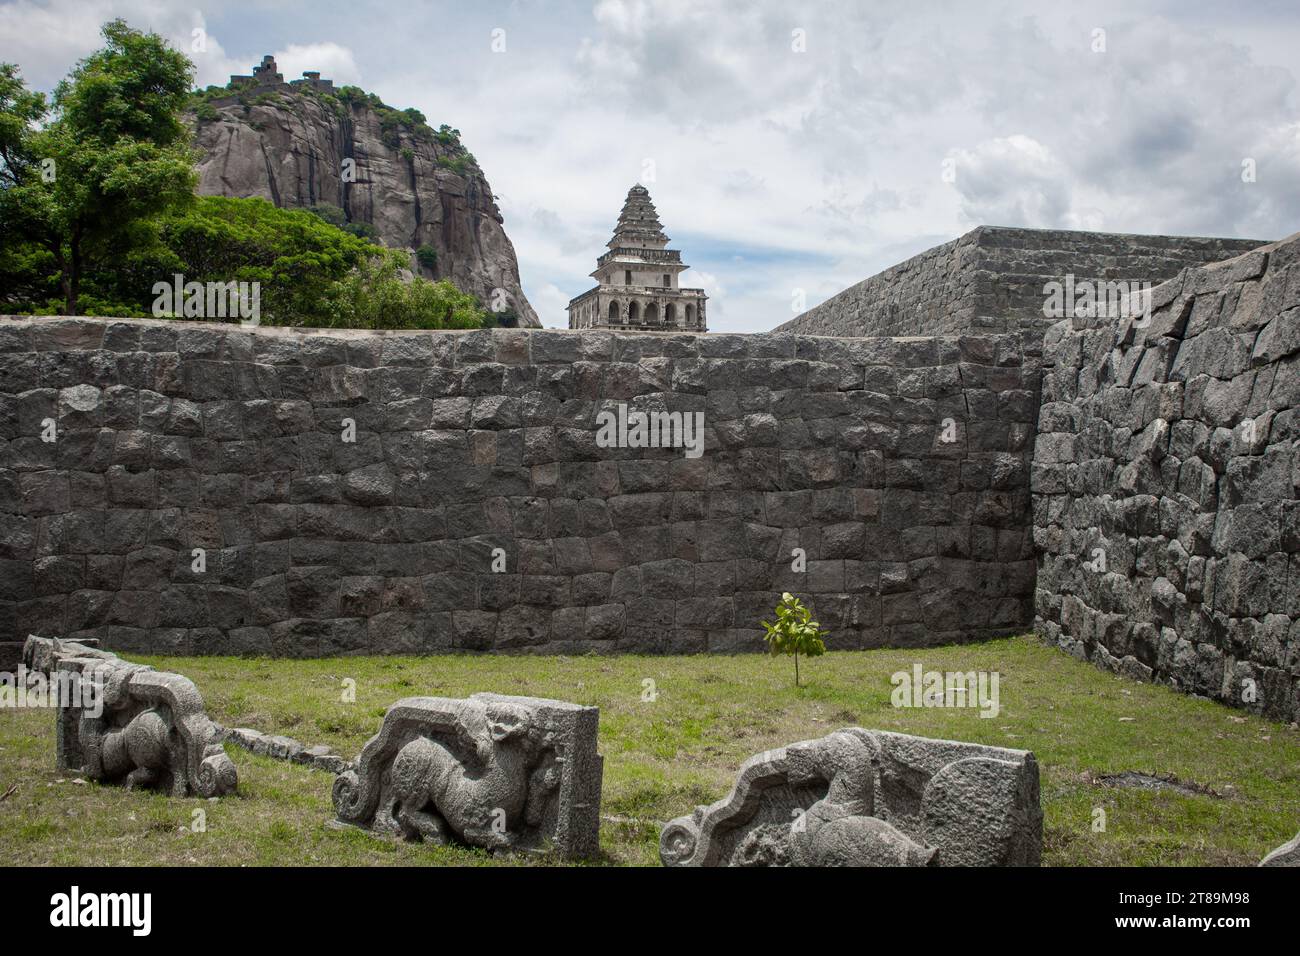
{"x": 97, "y": 205}
{"x": 378, "y": 295}
{"x": 310, "y": 273}
{"x": 337, "y": 217}
{"x": 80, "y": 189}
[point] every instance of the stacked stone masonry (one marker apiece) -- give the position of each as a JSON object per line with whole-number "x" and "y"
{"x": 185, "y": 443}
{"x": 1165, "y": 484}
{"x": 1158, "y": 481}
{"x": 992, "y": 279}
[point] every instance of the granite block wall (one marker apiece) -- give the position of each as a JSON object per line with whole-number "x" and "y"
{"x": 929, "y": 294}
{"x": 1165, "y": 483}
{"x": 197, "y": 493}
{"x": 992, "y": 280}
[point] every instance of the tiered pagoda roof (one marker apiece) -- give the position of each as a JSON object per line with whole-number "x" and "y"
{"x": 638, "y": 223}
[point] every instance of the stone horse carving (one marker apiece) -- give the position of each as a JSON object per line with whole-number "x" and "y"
{"x": 491, "y": 771}
{"x": 141, "y": 727}
{"x": 483, "y": 802}
{"x": 839, "y": 829}
{"x": 869, "y": 798}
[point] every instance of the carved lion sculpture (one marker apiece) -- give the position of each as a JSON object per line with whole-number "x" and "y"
{"x": 150, "y": 730}
{"x": 480, "y": 803}
{"x": 839, "y": 829}
{"x": 490, "y": 770}
{"x": 148, "y": 752}
{"x": 140, "y": 751}
{"x": 861, "y": 797}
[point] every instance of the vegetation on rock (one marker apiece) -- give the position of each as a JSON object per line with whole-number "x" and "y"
{"x": 97, "y": 205}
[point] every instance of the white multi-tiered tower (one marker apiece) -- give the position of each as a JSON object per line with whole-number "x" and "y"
{"x": 637, "y": 279}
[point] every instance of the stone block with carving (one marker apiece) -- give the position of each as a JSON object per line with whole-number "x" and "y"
{"x": 133, "y": 725}
{"x": 869, "y": 798}
{"x": 492, "y": 771}
{"x": 1288, "y": 854}
{"x": 41, "y": 655}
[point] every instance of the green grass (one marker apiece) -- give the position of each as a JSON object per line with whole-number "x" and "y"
{"x": 664, "y": 757}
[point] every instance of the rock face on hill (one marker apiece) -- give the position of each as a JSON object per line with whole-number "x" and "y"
{"x": 306, "y": 144}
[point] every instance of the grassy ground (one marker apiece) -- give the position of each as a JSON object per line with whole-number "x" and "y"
{"x": 664, "y": 757}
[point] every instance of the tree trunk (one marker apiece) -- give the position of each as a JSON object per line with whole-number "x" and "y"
{"x": 72, "y": 277}
{"x": 61, "y": 261}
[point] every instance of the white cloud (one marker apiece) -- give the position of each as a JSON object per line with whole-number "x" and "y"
{"x": 549, "y": 304}
{"x": 332, "y": 60}
{"x": 699, "y": 279}
{"x": 777, "y": 170}
{"x": 212, "y": 66}
{"x": 46, "y": 39}
{"x": 1012, "y": 181}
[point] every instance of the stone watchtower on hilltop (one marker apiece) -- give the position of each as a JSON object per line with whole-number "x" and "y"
{"x": 267, "y": 74}
{"x": 637, "y": 279}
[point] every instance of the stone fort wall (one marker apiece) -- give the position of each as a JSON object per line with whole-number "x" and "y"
{"x": 919, "y": 477}
{"x": 992, "y": 278}
{"x": 898, "y": 466}
{"x": 1166, "y": 476}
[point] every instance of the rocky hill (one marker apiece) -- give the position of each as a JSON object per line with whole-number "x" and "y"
{"x": 371, "y": 168}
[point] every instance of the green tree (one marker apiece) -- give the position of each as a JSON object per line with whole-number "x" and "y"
{"x": 310, "y": 273}
{"x": 794, "y": 631}
{"x": 97, "y": 206}
{"x": 337, "y": 217}
{"x": 507, "y": 318}
{"x": 297, "y": 258}
{"x": 330, "y": 213}
{"x": 20, "y": 109}
{"x": 85, "y": 187}
{"x": 24, "y": 267}
{"x": 377, "y": 295}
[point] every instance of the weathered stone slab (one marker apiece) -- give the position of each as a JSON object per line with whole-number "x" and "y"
{"x": 140, "y": 727}
{"x": 279, "y": 747}
{"x": 869, "y": 798}
{"x": 42, "y": 654}
{"x": 495, "y": 771}
{"x": 1288, "y": 854}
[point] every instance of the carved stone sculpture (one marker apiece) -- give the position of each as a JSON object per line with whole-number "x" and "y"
{"x": 869, "y": 798}
{"x": 141, "y": 727}
{"x": 1288, "y": 854}
{"x": 493, "y": 771}
{"x": 42, "y": 654}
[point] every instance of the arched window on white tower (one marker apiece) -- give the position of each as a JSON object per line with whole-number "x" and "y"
{"x": 670, "y": 314}
{"x": 613, "y": 312}
{"x": 651, "y": 314}
{"x": 633, "y": 312}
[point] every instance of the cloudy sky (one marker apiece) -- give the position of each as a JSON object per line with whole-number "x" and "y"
{"x": 792, "y": 148}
